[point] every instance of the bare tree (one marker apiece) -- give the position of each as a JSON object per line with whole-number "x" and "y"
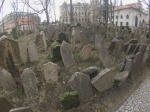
{"x": 1, "y": 5}
{"x": 148, "y": 5}
{"x": 45, "y": 6}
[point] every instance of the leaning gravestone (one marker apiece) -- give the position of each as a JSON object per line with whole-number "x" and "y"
{"x": 137, "y": 67}
{"x": 50, "y": 72}
{"x": 5, "y": 105}
{"x": 81, "y": 83}
{"x": 103, "y": 80}
{"x": 30, "y": 84}
{"x": 10, "y": 58}
{"x": 86, "y": 52}
{"x": 67, "y": 55}
{"x": 32, "y": 51}
{"x": 7, "y": 81}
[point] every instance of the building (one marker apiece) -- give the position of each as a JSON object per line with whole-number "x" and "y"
{"x": 21, "y": 20}
{"x": 130, "y": 15}
{"x": 81, "y": 12}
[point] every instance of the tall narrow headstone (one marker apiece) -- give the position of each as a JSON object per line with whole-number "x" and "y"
{"x": 32, "y": 51}
{"x": 67, "y": 55}
{"x": 30, "y": 84}
{"x": 44, "y": 40}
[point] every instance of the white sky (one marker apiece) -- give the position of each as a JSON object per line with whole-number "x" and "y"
{"x": 7, "y": 7}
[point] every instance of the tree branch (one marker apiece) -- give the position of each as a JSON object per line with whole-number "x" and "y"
{"x": 2, "y": 4}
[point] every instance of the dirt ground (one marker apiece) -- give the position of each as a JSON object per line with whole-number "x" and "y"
{"x": 49, "y": 93}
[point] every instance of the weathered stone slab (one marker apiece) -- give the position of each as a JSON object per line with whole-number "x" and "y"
{"x": 102, "y": 52}
{"x": 120, "y": 78}
{"x": 32, "y": 51}
{"x": 118, "y": 49}
{"x": 142, "y": 48}
{"x": 21, "y": 109}
{"x": 83, "y": 39}
{"x": 10, "y": 58}
{"x": 7, "y": 82}
{"x": 91, "y": 71}
{"x": 112, "y": 44}
{"x": 62, "y": 37}
{"x": 129, "y": 65}
{"x": 50, "y": 72}
{"x": 81, "y": 83}
{"x": 86, "y": 52}
{"x": 30, "y": 84}
{"x": 137, "y": 68}
{"x": 55, "y": 52}
{"x": 5, "y": 105}
{"x": 67, "y": 55}
{"x": 131, "y": 49}
{"x": 44, "y": 40}
{"x": 103, "y": 80}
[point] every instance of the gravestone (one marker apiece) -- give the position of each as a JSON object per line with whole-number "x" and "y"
{"x": 103, "y": 80}
{"x": 102, "y": 52}
{"x": 21, "y": 109}
{"x": 43, "y": 40}
{"x": 118, "y": 49}
{"x": 77, "y": 34}
{"x": 81, "y": 83}
{"x": 62, "y": 37}
{"x": 67, "y": 55}
{"x": 7, "y": 82}
{"x": 129, "y": 65}
{"x": 120, "y": 78}
{"x": 137, "y": 68}
{"x": 91, "y": 71}
{"x": 10, "y": 58}
{"x": 32, "y": 51}
{"x": 55, "y": 52}
{"x": 112, "y": 44}
{"x": 37, "y": 39}
{"x": 86, "y": 52}
{"x": 131, "y": 49}
{"x": 83, "y": 39}
{"x": 5, "y": 105}
{"x": 50, "y": 72}
{"x": 30, "y": 84}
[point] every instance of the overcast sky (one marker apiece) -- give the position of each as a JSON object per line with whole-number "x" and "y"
{"x": 7, "y": 6}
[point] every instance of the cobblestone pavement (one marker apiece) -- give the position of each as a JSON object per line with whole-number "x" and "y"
{"x": 139, "y": 101}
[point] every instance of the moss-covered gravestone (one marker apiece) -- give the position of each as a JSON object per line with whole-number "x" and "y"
{"x": 62, "y": 37}
{"x": 55, "y": 52}
{"x": 69, "y": 99}
{"x": 10, "y": 58}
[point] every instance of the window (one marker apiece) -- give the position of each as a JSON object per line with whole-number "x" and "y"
{"x": 127, "y": 17}
{"x": 121, "y": 23}
{"x": 121, "y": 17}
{"x": 127, "y": 24}
{"x": 116, "y": 23}
{"x": 116, "y": 17}
{"x": 82, "y": 19}
{"x": 66, "y": 20}
{"x": 82, "y": 13}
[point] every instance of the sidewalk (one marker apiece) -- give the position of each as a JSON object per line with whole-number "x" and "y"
{"x": 139, "y": 101}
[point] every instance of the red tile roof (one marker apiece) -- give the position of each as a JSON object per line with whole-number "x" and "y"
{"x": 24, "y": 21}
{"x": 127, "y": 6}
